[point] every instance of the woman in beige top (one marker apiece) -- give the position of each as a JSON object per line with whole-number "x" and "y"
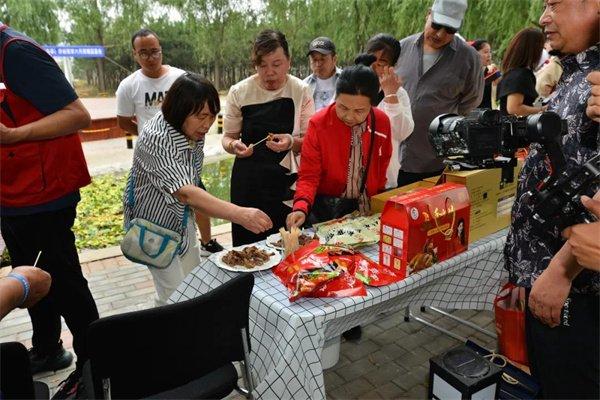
{"x": 271, "y": 102}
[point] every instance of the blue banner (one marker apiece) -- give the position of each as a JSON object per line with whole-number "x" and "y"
{"x": 76, "y": 51}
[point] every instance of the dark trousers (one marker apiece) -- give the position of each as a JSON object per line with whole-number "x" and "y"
{"x": 69, "y": 295}
{"x": 565, "y": 359}
{"x": 406, "y": 178}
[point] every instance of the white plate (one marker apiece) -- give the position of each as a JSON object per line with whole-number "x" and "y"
{"x": 273, "y": 261}
{"x": 274, "y": 238}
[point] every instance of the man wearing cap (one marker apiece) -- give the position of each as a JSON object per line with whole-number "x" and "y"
{"x": 321, "y": 53}
{"x": 442, "y": 74}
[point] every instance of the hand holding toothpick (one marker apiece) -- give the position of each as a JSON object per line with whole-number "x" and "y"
{"x": 268, "y": 137}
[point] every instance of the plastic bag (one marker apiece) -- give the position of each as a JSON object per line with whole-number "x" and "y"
{"x": 373, "y": 274}
{"x": 320, "y": 271}
{"x": 509, "y": 309}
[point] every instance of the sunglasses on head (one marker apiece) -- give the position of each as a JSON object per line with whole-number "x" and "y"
{"x": 448, "y": 30}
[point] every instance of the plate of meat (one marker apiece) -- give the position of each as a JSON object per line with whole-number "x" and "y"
{"x": 276, "y": 241}
{"x": 248, "y": 258}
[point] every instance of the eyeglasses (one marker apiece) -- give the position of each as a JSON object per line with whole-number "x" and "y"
{"x": 437, "y": 27}
{"x": 153, "y": 54}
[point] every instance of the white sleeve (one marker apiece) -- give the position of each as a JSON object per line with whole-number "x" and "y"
{"x": 307, "y": 110}
{"x": 232, "y": 120}
{"x": 400, "y": 116}
{"x": 125, "y": 106}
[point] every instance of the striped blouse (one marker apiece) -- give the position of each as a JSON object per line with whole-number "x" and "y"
{"x": 164, "y": 160}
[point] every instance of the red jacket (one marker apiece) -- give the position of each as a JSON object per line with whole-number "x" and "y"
{"x": 326, "y": 153}
{"x": 36, "y": 172}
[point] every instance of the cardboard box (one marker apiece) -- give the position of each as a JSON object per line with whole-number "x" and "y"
{"x": 491, "y": 200}
{"x": 378, "y": 201}
{"x": 433, "y": 179}
{"x": 421, "y": 228}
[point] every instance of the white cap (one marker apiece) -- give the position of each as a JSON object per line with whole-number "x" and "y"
{"x": 449, "y": 12}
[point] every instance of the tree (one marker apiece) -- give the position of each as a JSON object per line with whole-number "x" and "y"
{"x": 214, "y": 37}
{"x": 38, "y": 19}
{"x": 89, "y": 18}
{"x": 210, "y": 21}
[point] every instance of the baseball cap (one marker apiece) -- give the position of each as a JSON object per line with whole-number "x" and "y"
{"x": 322, "y": 44}
{"x": 449, "y": 12}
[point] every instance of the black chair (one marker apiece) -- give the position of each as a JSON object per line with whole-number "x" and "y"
{"x": 182, "y": 350}
{"x": 16, "y": 381}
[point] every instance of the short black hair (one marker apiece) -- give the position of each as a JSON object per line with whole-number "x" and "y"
{"x": 187, "y": 96}
{"x": 365, "y": 59}
{"x": 477, "y": 44}
{"x": 386, "y": 42}
{"x": 267, "y": 42}
{"x": 358, "y": 80}
{"x": 143, "y": 33}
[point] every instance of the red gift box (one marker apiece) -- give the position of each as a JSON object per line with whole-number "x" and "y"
{"x": 423, "y": 227}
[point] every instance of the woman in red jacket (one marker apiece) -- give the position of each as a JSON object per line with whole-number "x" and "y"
{"x": 345, "y": 154}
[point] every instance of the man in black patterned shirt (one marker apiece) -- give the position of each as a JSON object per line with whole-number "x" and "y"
{"x": 564, "y": 354}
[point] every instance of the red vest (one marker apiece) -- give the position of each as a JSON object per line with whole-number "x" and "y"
{"x": 36, "y": 172}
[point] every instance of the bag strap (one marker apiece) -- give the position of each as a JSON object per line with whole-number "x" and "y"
{"x": 369, "y": 156}
{"x": 131, "y": 200}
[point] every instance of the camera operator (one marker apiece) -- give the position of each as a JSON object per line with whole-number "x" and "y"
{"x": 564, "y": 358}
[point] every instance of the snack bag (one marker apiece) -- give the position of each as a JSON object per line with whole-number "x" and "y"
{"x": 345, "y": 285}
{"x": 319, "y": 271}
{"x": 307, "y": 281}
{"x": 373, "y": 274}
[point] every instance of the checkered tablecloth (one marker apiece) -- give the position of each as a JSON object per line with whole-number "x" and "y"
{"x": 287, "y": 338}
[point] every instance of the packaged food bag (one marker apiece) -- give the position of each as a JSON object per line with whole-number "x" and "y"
{"x": 316, "y": 270}
{"x": 373, "y": 274}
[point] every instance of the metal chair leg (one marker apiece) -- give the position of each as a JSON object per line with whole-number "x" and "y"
{"x": 246, "y": 370}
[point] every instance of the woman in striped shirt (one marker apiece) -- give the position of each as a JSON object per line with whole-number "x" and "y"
{"x": 164, "y": 178}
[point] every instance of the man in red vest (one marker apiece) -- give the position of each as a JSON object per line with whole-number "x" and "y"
{"x": 43, "y": 167}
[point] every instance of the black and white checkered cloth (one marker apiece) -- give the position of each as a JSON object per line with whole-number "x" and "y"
{"x": 287, "y": 338}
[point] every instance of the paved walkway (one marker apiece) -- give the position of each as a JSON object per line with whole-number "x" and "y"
{"x": 391, "y": 360}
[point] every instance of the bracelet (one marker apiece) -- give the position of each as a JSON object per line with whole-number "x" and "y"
{"x": 24, "y": 283}
{"x": 390, "y": 95}
{"x": 231, "y": 149}
{"x": 291, "y": 142}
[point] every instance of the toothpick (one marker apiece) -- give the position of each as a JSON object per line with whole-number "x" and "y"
{"x": 260, "y": 141}
{"x": 37, "y": 258}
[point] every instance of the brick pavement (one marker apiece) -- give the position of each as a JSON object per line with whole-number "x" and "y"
{"x": 391, "y": 361}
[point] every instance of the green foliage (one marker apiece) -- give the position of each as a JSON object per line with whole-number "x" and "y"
{"x": 214, "y": 37}
{"x": 99, "y": 221}
{"x": 36, "y": 18}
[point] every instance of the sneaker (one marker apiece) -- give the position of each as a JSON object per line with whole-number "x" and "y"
{"x": 211, "y": 247}
{"x": 69, "y": 388}
{"x": 353, "y": 334}
{"x": 58, "y": 359}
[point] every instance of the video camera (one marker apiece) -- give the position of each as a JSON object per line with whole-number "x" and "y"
{"x": 557, "y": 202}
{"x": 486, "y": 139}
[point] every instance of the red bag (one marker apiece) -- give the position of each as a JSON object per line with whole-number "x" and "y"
{"x": 373, "y": 274}
{"x": 509, "y": 309}
{"x": 316, "y": 270}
